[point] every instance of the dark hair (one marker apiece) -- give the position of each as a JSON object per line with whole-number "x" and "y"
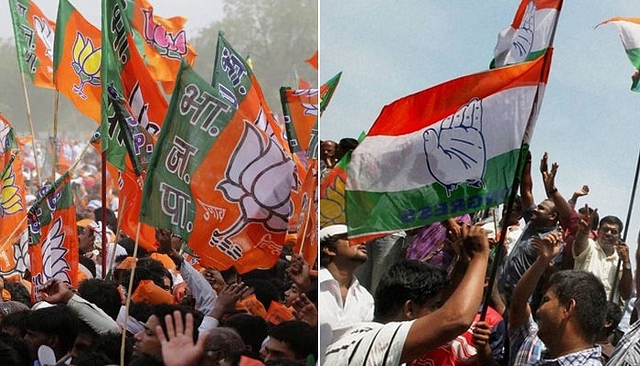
{"x": 348, "y": 143}
{"x": 105, "y": 294}
{"x": 407, "y": 280}
{"x": 128, "y": 244}
{"x": 161, "y": 310}
{"x": 56, "y": 320}
{"x": 112, "y": 220}
{"x": 614, "y": 220}
{"x": 225, "y": 344}
{"x": 109, "y": 344}
{"x": 329, "y": 243}
{"x": 18, "y": 292}
{"x": 589, "y": 294}
{"x": 93, "y": 359}
{"x": 14, "y": 351}
{"x": 252, "y": 329}
{"x": 301, "y": 338}
{"x": 17, "y": 320}
{"x": 88, "y": 264}
{"x": 614, "y": 316}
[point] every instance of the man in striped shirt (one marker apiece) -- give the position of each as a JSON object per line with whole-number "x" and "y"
{"x": 409, "y": 320}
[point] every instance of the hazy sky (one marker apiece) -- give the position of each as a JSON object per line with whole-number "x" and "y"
{"x": 199, "y": 12}
{"x": 589, "y": 122}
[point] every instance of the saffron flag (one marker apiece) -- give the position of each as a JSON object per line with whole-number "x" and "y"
{"x": 332, "y": 192}
{"x": 164, "y": 42}
{"x": 530, "y": 33}
{"x": 123, "y": 69}
{"x": 76, "y": 60}
{"x": 234, "y": 80}
{"x": 219, "y": 182}
{"x": 13, "y": 209}
{"x": 34, "y": 37}
{"x": 326, "y": 91}
{"x": 313, "y": 60}
{"x": 443, "y": 152}
{"x": 300, "y": 108}
{"x": 307, "y": 222}
{"x": 53, "y": 238}
{"x": 312, "y": 151}
{"x": 629, "y": 29}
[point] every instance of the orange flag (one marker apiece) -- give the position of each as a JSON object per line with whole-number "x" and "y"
{"x": 165, "y": 42}
{"x": 279, "y": 313}
{"x": 34, "y": 34}
{"x": 307, "y": 223}
{"x": 13, "y": 210}
{"x": 313, "y": 60}
{"x": 76, "y": 60}
{"x": 53, "y": 237}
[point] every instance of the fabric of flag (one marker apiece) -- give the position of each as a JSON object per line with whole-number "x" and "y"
{"x": 300, "y": 108}
{"x": 326, "y": 91}
{"x": 332, "y": 192}
{"x": 629, "y": 29}
{"x": 234, "y": 80}
{"x": 313, "y": 60}
{"x": 34, "y": 37}
{"x": 76, "y": 60}
{"x": 13, "y": 209}
{"x": 219, "y": 182}
{"x": 307, "y": 222}
{"x": 312, "y": 150}
{"x": 124, "y": 70}
{"x": 530, "y": 33}
{"x": 164, "y": 42}
{"x": 443, "y": 152}
{"x": 53, "y": 238}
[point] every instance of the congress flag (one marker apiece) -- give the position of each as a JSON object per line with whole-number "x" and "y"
{"x": 629, "y": 29}
{"x": 530, "y": 33}
{"x": 445, "y": 151}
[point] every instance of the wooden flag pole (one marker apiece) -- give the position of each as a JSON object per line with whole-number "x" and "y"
{"x": 103, "y": 209}
{"x": 128, "y": 299}
{"x": 55, "y": 133}
{"x": 33, "y": 133}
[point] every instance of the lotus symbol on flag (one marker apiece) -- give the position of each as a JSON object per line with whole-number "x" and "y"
{"x": 10, "y": 200}
{"x": 456, "y": 152}
{"x": 4, "y": 137}
{"x": 259, "y": 177}
{"x": 86, "y": 63}
{"x": 46, "y": 34}
{"x": 54, "y": 265}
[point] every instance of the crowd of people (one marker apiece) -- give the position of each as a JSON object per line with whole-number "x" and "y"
{"x": 154, "y": 307}
{"x": 546, "y": 284}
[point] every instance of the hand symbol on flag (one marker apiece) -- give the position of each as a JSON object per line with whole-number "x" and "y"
{"x": 456, "y": 153}
{"x": 523, "y": 40}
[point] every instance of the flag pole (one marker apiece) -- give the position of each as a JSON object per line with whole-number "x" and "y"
{"x": 55, "y": 133}
{"x": 103, "y": 209}
{"x": 128, "y": 299}
{"x": 33, "y": 133}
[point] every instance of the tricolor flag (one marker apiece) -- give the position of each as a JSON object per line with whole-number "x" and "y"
{"x": 164, "y": 42}
{"x": 13, "y": 209}
{"x": 629, "y": 29}
{"x": 53, "y": 237}
{"x": 76, "y": 60}
{"x": 34, "y": 35}
{"x": 530, "y": 33}
{"x": 219, "y": 181}
{"x": 445, "y": 151}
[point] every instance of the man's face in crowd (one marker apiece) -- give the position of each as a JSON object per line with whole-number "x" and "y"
{"x": 357, "y": 253}
{"x": 550, "y": 316}
{"x": 328, "y": 149}
{"x": 608, "y": 236}
{"x": 274, "y": 350}
{"x": 147, "y": 343}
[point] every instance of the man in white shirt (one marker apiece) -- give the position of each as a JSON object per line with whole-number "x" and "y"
{"x": 344, "y": 300}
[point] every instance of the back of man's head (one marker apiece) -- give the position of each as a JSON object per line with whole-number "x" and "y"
{"x": 252, "y": 329}
{"x": 57, "y": 321}
{"x": 589, "y": 295}
{"x": 105, "y": 294}
{"x": 407, "y": 280}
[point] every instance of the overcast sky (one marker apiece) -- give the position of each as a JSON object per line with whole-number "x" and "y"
{"x": 589, "y": 122}
{"x": 199, "y": 12}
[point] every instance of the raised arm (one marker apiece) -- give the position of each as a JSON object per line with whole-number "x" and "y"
{"x": 563, "y": 207}
{"x": 547, "y": 248}
{"x": 581, "y": 242}
{"x": 458, "y": 312}
{"x": 526, "y": 184}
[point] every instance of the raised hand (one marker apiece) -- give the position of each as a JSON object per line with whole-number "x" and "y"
{"x": 474, "y": 240}
{"x": 587, "y": 219}
{"x": 178, "y": 348}
{"x": 299, "y": 273}
{"x": 56, "y": 292}
{"x": 548, "y": 176}
{"x": 549, "y": 246}
{"x": 305, "y": 310}
{"x": 582, "y": 191}
{"x": 227, "y": 298}
{"x": 456, "y": 152}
